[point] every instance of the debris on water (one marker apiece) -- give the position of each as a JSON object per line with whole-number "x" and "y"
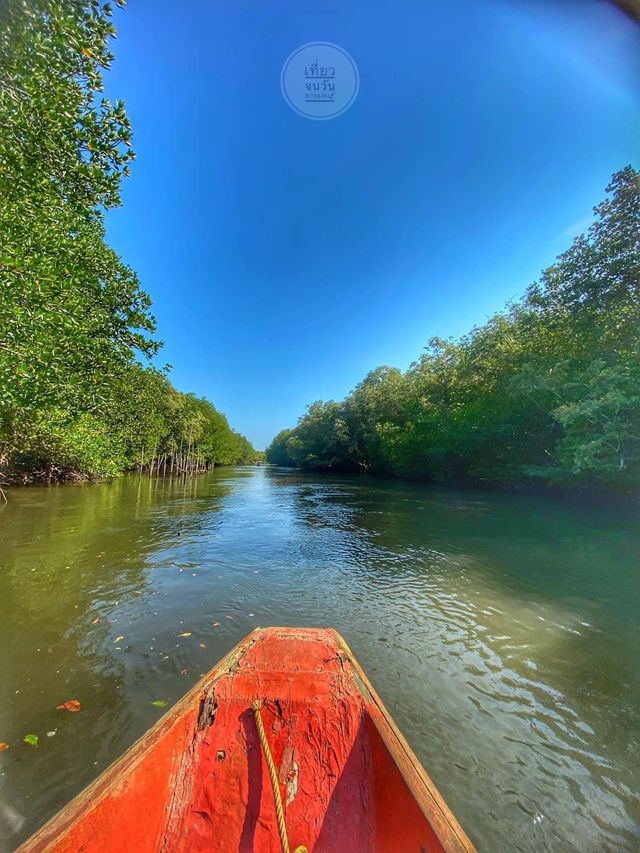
{"x": 3, "y": 746}
{"x": 202, "y": 645}
{"x": 52, "y": 734}
{"x": 186, "y": 634}
{"x": 160, "y": 703}
{"x": 31, "y": 740}
{"x": 117, "y": 639}
{"x": 72, "y": 705}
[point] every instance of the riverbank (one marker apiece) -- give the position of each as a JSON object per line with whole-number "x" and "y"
{"x": 589, "y": 495}
{"x": 31, "y": 474}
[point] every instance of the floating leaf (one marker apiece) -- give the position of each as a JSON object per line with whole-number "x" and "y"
{"x": 160, "y": 703}
{"x": 228, "y": 617}
{"x": 31, "y": 740}
{"x": 186, "y": 634}
{"x": 3, "y": 746}
{"x": 72, "y": 705}
{"x": 202, "y": 645}
{"x": 216, "y": 624}
{"x": 96, "y": 620}
{"x": 117, "y": 639}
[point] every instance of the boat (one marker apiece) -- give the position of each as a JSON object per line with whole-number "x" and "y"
{"x": 283, "y": 746}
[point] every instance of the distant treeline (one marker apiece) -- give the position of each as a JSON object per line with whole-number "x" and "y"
{"x": 74, "y": 322}
{"x": 546, "y": 392}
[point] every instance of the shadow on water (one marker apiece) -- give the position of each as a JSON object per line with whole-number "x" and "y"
{"x": 502, "y": 631}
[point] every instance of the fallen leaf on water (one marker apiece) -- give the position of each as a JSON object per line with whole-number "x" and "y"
{"x": 216, "y": 624}
{"x": 72, "y": 705}
{"x": 96, "y": 620}
{"x": 202, "y": 645}
{"x": 3, "y": 746}
{"x": 160, "y": 703}
{"x": 117, "y": 639}
{"x": 186, "y": 634}
{"x": 31, "y": 740}
{"x": 52, "y": 734}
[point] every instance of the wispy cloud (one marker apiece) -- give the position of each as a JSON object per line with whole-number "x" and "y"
{"x": 574, "y": 230}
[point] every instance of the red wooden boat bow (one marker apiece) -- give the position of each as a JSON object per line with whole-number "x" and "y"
{"x": 200, "y": 778}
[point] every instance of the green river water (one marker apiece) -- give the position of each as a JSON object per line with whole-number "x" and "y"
{"x": 502, "y": 632}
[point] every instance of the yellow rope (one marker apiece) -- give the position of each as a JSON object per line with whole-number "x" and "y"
{"x": 275, "y": 783}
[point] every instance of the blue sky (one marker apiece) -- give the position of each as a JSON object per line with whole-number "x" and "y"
{"x": 287, "y": 257}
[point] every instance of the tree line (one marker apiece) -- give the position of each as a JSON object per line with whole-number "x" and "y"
{"x": 547, "y": 391}
{"x": 77, "y": 393}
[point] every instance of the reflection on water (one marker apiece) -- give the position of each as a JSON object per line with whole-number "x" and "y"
{"x": 501, "y": 631}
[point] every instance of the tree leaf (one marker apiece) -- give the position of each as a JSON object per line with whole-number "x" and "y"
{"x": 71, "y": 705}
{"x": 31, "y": 740}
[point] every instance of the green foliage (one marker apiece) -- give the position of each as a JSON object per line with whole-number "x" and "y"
{"x": 71, "y": 312}
{"x": 73, "y": 318}
{"x": 321, "y": 438}
{"x": 276, "y": 453}
{"x": 548, "y": 391}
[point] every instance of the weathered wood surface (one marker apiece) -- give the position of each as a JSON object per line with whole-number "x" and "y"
{"x": 198, "y": 780}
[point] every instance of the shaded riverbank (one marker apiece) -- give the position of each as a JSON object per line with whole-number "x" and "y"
{"x": 501, "y": 630}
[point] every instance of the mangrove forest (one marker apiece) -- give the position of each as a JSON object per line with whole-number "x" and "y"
{"x": 79, "y": 396}
{"x": 545, "y": 392}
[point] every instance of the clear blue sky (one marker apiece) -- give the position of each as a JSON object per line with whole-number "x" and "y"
{"x": 288, "y": 257}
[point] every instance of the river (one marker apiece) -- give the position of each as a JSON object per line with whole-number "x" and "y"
{"x": 502, "y": 632}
